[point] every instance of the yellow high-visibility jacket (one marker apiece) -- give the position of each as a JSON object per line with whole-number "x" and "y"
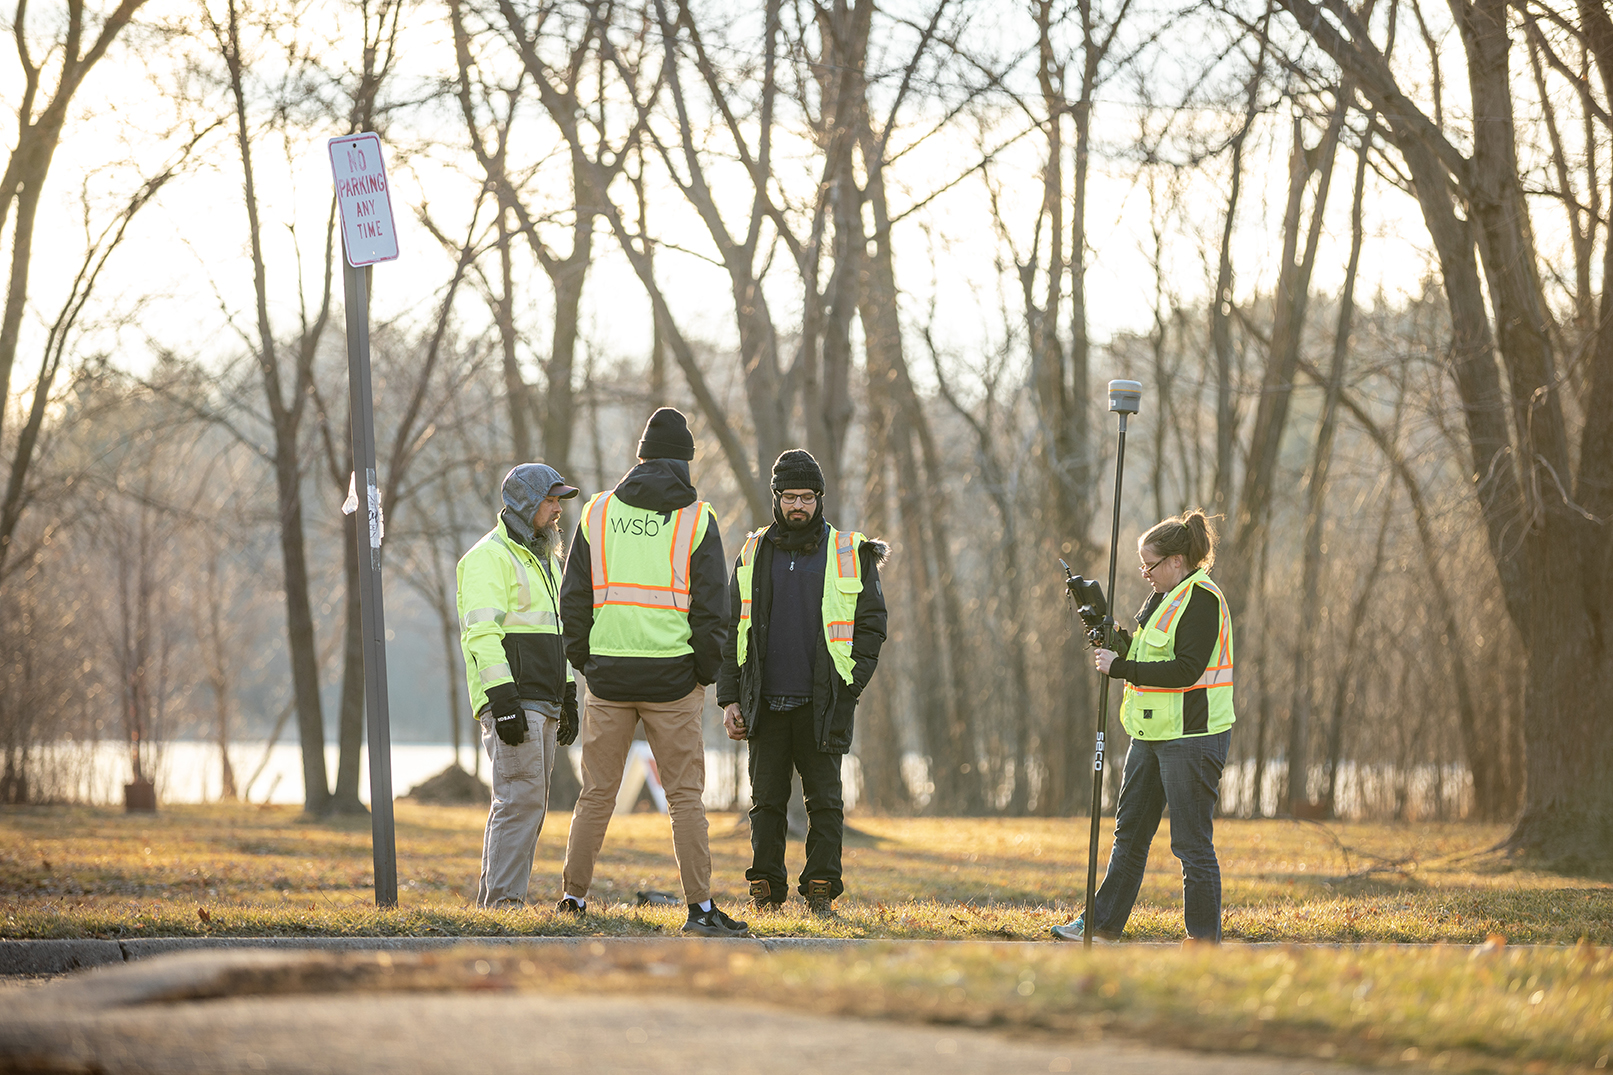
{"x": 509, "y": 620}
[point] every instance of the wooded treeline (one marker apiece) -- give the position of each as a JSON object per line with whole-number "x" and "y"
{"x": 1364, "y": 247}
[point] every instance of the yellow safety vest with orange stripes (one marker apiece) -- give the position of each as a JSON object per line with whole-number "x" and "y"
{"x": 1156, "y": 713}
{"x": 840, "y": 589}
{"x": 640, "y": 565}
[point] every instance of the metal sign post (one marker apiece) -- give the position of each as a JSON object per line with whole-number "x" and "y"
{"x": 368, "y": 236}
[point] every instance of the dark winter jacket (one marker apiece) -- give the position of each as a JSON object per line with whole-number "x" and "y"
{"x": 834, "y": 702}
{"x": 655, "y": 485}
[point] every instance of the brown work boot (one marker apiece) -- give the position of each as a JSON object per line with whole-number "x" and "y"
{"x": 762, "y": 898}
{"x": 819, "y": 902}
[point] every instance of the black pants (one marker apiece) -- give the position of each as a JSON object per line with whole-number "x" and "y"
{"x": 781, "y": 741}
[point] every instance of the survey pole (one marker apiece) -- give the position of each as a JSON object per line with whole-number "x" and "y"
{"x": 368, "y": 236}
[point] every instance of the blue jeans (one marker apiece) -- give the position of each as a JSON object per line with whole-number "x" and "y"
{"x": 1184, "y": 774}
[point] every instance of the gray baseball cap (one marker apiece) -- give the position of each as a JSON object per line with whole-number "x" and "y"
{"x": 527, "y": 484}
{"x": 525, "y": 487}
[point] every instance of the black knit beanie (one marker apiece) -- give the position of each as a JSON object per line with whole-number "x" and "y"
{"x": 796, "y": 469}
{"x": 666, "y": 436}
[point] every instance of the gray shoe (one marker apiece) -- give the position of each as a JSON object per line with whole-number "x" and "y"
{"x": 714, "y": 923}
{"x": 1076, "y": 931}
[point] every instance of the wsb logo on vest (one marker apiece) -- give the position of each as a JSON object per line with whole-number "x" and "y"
{"x": 640, "y": 527}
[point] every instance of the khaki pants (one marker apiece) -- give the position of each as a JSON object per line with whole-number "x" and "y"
{"x": 520, "y": 801}
{"x": 674, "y": 734}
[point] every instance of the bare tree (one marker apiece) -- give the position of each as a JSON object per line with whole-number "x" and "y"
{"x": 71, "y": 59}
{"x": 287, "y": 405}
{"x": 600, "y": 166}
{"x": 1542, "y": 512}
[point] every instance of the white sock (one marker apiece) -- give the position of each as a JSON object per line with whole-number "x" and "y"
{"x": 705, "y": 905}
{"x": 578, "y": 900}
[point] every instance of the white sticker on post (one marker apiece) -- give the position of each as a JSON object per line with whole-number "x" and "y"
{"x": 377, "y": 520}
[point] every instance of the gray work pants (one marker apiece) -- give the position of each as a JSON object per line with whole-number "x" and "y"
{"x": 520, "y": 800}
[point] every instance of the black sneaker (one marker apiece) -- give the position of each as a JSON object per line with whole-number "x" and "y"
{"x": 713, "y": 923}
{"x": 569, "y": 906}
{"x": 819, "y": 902}
{"x": 762, "y": 898}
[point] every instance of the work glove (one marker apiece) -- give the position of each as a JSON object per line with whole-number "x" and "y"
{"x": 509, "y": 719}
{"x": 567, "y": 734}
{"x": 1122, "y": 641}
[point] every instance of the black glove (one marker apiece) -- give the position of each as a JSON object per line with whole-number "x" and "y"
{"x": 567, "y": 734}
{"x": 1122, "y": 641}
{"x": 509, "y": 719}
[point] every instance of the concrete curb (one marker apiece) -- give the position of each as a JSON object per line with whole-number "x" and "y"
{"x": 56, "y": 957}
{"x": 38, "y": 958}
{"x": 42, "y": 958}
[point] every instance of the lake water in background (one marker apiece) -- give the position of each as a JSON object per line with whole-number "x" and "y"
{"x": 188, "y": 771}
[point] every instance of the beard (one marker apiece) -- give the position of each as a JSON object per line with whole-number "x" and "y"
{"x": 547, "y": 542}
{"x": 797, "y": 534}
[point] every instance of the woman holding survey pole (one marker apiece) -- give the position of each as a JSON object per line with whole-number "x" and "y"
{"x": 1178, "y": 711}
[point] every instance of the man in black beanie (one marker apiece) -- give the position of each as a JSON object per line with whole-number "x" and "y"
{"x": 807, "y": 620}
{"x": 642, "y": 614}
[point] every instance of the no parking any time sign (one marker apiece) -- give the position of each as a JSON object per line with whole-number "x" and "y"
{"x": 364, "y": 199}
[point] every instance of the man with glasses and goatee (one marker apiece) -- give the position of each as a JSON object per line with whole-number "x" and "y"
{"x": 808, "y": 619}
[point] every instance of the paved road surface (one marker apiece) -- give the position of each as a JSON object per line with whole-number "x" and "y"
{"x": 133, "y": 1018}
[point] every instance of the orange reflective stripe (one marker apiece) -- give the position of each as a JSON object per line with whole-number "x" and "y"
{"x": 596, "y": 544}
{"x": 683, "y": 546}
{"x": 1164, "y": 622}
{"x": 1218, "y": 674}
{"x": 747, "y": 556}
{"x": 840, "y": 630}
{"x": 641, "y": 597}
{"x": 846, "y": 555}
{"x": 1197, "y": 686}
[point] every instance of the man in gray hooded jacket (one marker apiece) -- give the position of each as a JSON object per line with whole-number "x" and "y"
{"x": 521, "y": 689}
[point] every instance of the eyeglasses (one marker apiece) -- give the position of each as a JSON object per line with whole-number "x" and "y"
{"x": 1148, "y": 569}
{"x": 806, "y": 500}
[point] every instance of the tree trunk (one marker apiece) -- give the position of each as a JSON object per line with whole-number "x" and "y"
{"x": 568, "y": 277}
{"x": 1300, "y": 712}
{"x": 1226, "y": 415}
{"x": 286, "y": 419}
{"x": 517, "y": 396}
{"x": 844, "y": 32}
{"x": 1282, "y": 360}
{"x": 879, "y": 736}
{"x": 300, "y": 628}
{"x": 350, "y": 722}
{"x": 1345, "y": 673}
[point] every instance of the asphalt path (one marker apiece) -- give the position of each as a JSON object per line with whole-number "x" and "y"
{"x": 202, "y": 1011}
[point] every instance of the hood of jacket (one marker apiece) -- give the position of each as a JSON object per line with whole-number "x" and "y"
{"x": 657, "y": 485}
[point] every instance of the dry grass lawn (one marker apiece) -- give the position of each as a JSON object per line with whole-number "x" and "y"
{"x": 247, "y": 871}
{"x": 75, "y": 871}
